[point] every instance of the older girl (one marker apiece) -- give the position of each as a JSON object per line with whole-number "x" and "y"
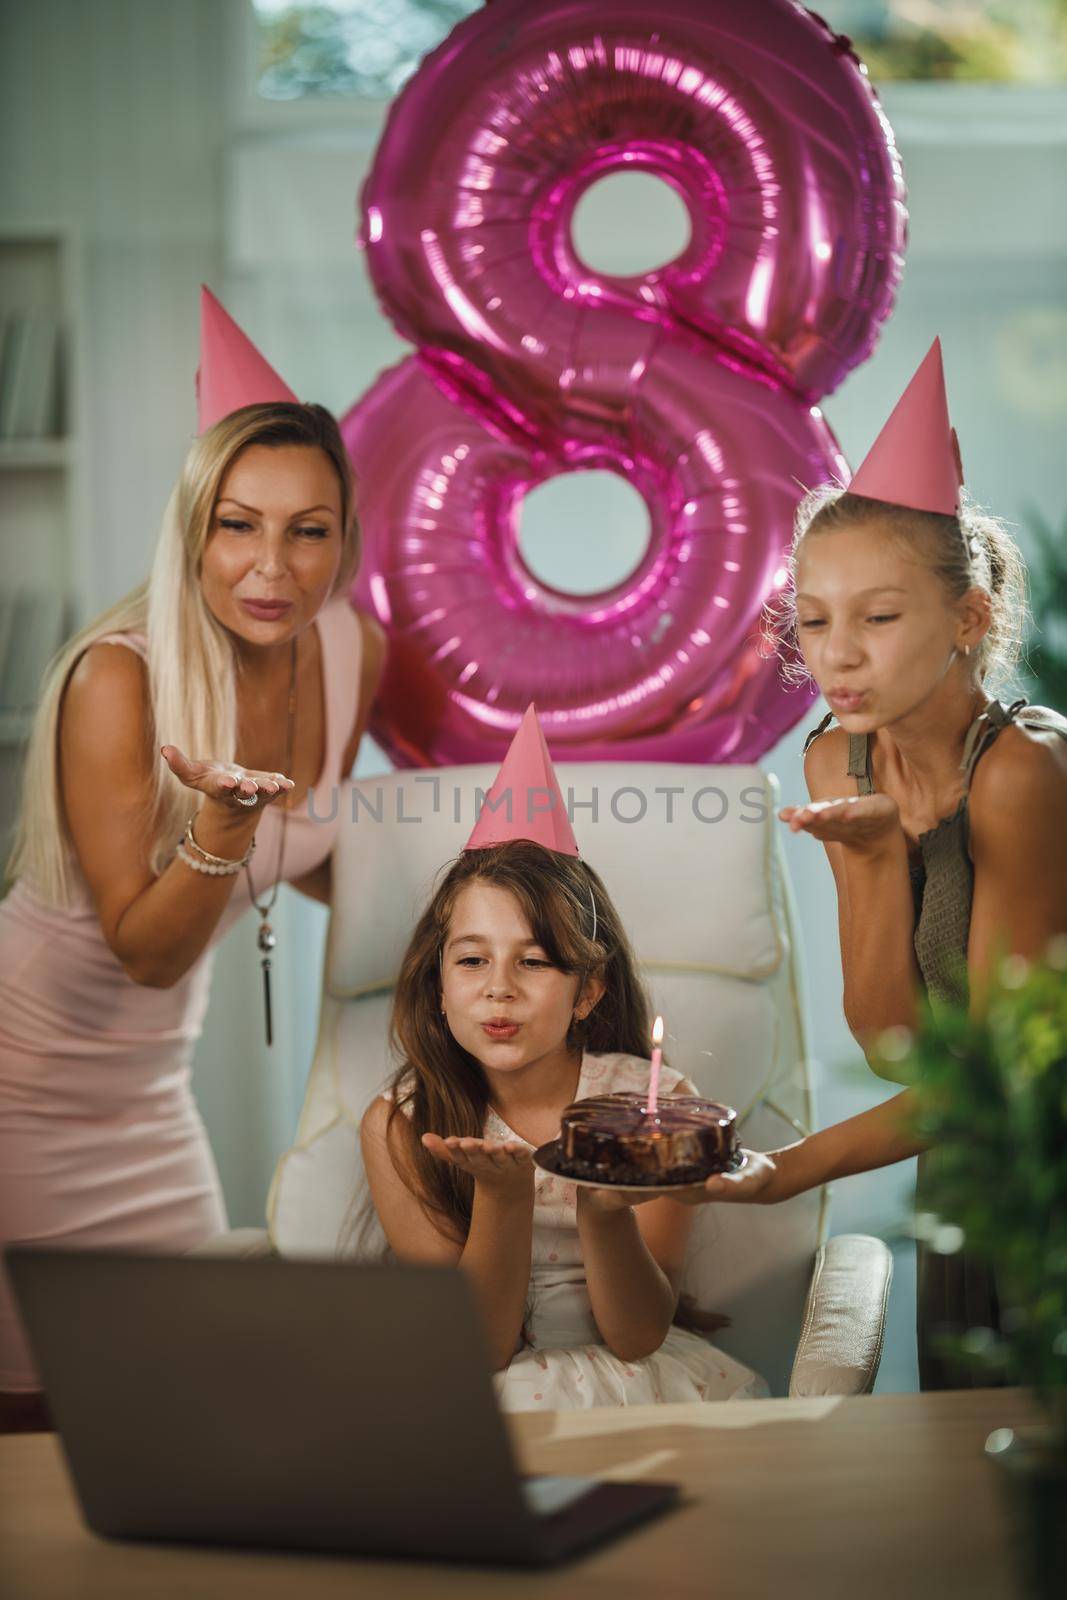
{"x": 951, "y": 848}
{"x": 242, "y": 659}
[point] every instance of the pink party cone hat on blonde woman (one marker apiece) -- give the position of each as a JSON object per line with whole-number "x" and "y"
{"x": 915, "y": 460}
{"x": 232, "y": 373}
{"x": 525, "y": 801}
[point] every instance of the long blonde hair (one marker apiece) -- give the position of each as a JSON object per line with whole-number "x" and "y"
{"x": 192, "y": 664}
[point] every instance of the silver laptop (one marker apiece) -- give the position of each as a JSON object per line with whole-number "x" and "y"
{"x": 295, "y": 1404}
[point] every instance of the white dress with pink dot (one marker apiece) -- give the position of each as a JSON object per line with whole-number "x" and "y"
{"x": 565, "y": 1364}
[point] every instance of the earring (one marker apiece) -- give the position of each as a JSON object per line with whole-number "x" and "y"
{"x": 966, "y": 649}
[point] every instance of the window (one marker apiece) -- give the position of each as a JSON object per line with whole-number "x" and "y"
{"x": 347, "y": 49}
{"x": 367, "y": 49}
{"x": 981, "y": 41}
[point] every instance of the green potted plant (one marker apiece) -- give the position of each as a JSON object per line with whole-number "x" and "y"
{"x": 991, "y": 1092}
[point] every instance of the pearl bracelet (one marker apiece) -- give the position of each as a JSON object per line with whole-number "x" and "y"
{"x": 206, "y": 866}
{"x": 216, "y": 866}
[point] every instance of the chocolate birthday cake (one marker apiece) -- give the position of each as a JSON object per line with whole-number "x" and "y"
{"x": 611, "y": 1138}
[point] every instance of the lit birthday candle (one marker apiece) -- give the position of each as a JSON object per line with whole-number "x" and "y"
{"x": 657, "y": 1062}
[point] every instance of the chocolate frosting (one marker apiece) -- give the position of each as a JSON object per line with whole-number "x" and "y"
{"x": 613, "y": 1137}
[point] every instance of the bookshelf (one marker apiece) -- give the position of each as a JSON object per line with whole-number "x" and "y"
{"x": 41, "y": 469}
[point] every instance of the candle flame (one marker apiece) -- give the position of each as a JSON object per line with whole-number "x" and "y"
{"x": 657, "y": 1031}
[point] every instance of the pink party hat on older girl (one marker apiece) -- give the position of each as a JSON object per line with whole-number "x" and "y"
{"x": 232, "y": 373}
{"x": 915, "y": 460}
{"x": 525, "y": 801}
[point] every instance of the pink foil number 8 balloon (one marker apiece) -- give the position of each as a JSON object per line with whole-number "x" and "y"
{"x": 697, "y": 382}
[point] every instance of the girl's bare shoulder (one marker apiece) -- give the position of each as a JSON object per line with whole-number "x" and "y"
{"x": 1025, "y": 766}
{"x": 826, "y": 764}
{"x": 380, "y": 1128}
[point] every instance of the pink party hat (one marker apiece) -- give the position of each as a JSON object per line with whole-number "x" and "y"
{"x": 232, "y": 373}
{"x": 525, "y": 801}
{"x": 915, "y": 460}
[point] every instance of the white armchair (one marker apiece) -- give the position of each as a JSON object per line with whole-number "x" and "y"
{"x": 691, "y": 858}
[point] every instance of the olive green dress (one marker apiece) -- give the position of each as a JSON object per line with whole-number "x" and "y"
{"x": 955, "y": 1292}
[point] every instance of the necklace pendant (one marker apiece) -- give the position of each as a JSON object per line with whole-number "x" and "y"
{"x": 268, "y": 1014}
{"x": 265, "y": 937}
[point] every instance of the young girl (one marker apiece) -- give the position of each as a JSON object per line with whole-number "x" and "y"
{"x": 952, "y": 849}
{"x": 517, "y": 995}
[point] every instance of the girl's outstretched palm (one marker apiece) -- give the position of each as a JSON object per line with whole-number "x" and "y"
{"x": 862, "y": 821}
{"x": 504, "y": 1164}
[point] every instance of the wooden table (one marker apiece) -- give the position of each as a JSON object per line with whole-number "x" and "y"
{"x": 881, "y": 1496}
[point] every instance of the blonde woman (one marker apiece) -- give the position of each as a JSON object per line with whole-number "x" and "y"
{"x": 176, "y": 734}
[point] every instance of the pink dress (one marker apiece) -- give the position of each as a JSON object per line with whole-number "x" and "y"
{"x": 101, "y": 1143}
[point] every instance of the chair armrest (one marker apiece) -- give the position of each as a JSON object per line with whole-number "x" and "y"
{"x": 844, "y": 1320}
{"x": 238, "y": 1242}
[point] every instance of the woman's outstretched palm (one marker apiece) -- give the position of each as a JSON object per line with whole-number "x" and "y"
{"x": 225, "y": 782}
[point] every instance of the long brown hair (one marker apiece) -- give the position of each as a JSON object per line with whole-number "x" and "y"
{"x": 438, "y": 1087}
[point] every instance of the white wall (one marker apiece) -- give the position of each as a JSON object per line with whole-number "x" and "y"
{"x": 112, "y": 117}
{"x": 129, "y": 120}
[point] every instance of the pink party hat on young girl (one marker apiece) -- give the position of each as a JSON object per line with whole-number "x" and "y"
{"x": 525, "y": 801}
{"x": 915, "y": 460}
{"x": 232, "y": 373}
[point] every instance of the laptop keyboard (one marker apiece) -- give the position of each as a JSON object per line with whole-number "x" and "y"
{"x": 548, "y": 1496}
